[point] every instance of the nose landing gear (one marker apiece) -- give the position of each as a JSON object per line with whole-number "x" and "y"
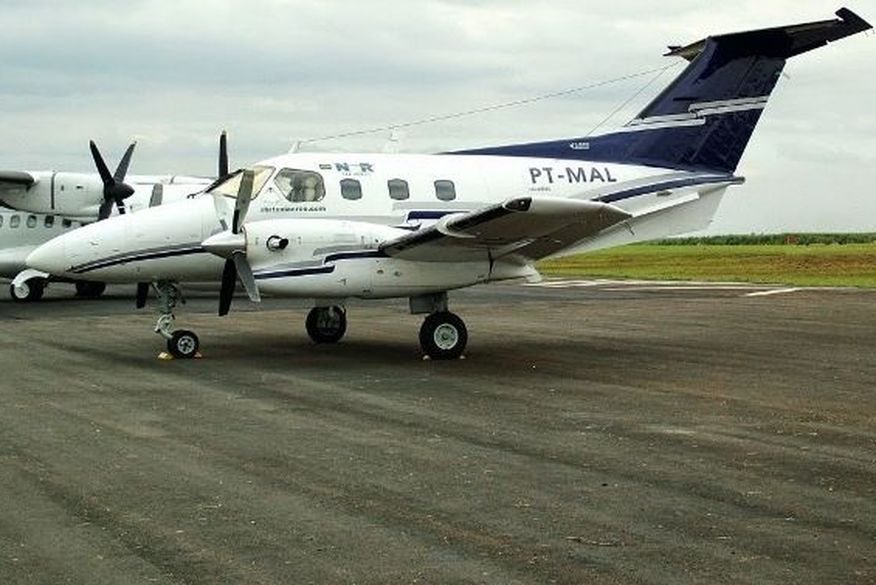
{"x": 181, "y": 343}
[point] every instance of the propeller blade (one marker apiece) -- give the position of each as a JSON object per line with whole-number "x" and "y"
{"x": 223, "y": 155}
{"x": 122, "y": 169}
{"x": 229, "y": 281}
{"x": 244, "y": 273}
{"x": 102, "y": 169}
{"x": 105, "y": 210}
{"x": 142, "y": 293}
{"x": 244, "y": 196}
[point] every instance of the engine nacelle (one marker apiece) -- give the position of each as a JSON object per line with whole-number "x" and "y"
{"x": 322, "y": 258}
{"x": 72, "y": 195}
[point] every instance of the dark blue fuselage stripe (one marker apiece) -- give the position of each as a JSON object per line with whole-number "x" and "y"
{"x": 97, "y": 265}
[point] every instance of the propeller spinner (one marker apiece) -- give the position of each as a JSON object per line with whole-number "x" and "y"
{"x": 115, "y": 190}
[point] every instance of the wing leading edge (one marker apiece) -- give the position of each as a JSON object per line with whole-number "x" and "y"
{"x": 526, "y": 227}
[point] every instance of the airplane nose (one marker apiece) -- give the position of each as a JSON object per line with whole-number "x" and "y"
{"x": 51, "y": 257}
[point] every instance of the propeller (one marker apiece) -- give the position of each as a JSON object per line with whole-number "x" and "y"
{"x": 115, "y": 190}
{"x": 223, "y": 155}
{"x": 231, "y": 245}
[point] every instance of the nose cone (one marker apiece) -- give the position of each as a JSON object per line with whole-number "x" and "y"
{"x": 51, "y": 257}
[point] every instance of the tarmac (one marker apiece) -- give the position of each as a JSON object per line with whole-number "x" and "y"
{"x": 597, "y": 432}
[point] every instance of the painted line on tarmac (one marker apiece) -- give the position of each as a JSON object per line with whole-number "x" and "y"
{"x": 767, "y": 293}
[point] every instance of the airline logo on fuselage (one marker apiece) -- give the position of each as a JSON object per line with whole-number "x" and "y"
{"x": 572, "y": 176}
{"x": 349, "y": 169}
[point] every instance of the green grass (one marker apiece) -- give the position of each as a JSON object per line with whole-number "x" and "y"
{"x": 816, "y": 265}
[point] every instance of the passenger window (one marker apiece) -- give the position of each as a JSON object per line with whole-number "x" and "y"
{"x": 49, "y": 221}
{"x": 31, "y": 221}
{"x": 398, "y": 189}
{"x": 351, "y": 189}
{"x": 445, "y": 190}
{"x": 1, "y": 221}
{"x": 66, "y": 223}
{"x": 296, "y": 185}
{"x": 14, "y": 221}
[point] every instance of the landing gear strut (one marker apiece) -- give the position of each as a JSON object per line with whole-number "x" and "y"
{"x": 326, "y": 324}
{"x": 443, "y": 335}
{"x": 181, "y": 343}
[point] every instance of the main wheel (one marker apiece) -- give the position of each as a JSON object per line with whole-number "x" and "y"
{"x": 443, "y": 336}
{"x": 326, "y": 324}
{"x": 90, "y": 290}
{"x": 29, "y": 291}
{"x": 183, "y": 344}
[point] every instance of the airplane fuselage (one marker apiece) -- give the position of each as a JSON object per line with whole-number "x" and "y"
{"x": 361, "y": 200}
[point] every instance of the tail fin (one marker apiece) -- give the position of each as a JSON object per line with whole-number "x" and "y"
{"x": 706, "y": 116}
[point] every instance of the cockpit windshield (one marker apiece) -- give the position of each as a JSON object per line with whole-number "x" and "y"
{"x": 230, "y": 186}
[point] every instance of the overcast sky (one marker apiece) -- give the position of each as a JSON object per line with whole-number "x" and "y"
{"x": 173, "y": 73}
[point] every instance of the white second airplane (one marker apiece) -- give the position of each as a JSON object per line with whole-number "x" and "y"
{"x": 372, "y": 226}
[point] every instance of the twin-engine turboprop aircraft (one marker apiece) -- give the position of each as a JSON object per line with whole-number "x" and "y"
{"x": 338, "y": 226}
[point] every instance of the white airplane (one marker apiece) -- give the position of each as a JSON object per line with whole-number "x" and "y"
{"x": 90, "y": 197}
{"x": 57, "y": 202}
{"x": 334, "y": 227}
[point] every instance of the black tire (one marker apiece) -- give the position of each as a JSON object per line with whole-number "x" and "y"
{"x": 183, "y": 344}
{"x": 30, "y": 292}
{"x": 326, "y": 324}
{"x": 443, "y": 336}
{"x": 90, "y": 290}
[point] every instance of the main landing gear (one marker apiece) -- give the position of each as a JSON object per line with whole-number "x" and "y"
{"x": 443, "y": 335}
{"x": 29, "y": 291}
{"x": 89, "y": 290}
{"x": 181, "y": 343}
{"x": 326, "y": 324}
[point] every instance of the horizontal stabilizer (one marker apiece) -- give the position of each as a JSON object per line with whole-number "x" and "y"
{"x": 785, "y": 41}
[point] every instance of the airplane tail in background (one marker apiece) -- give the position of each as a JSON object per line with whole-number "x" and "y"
{"x": 706, "y": 116}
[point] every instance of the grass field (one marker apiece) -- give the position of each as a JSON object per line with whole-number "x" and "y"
{"x": 816, "y": 265}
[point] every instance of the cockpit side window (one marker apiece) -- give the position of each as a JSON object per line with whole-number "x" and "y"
{"x": 300, "y": 186}
{"x": 230, "y": 186}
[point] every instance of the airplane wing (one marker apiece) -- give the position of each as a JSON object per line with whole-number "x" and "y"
{"x": 15, "y": 179}
{"x": 526, "y": 227}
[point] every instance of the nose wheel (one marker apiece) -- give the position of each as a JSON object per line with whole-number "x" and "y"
{"x": 181, "y": 343}
{"x": 443, "y": 336}
{"x": 326, "y": 324}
